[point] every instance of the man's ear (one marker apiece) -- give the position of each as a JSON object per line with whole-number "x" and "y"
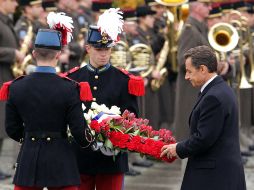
{"x": 203, "y": 68}
{"x": 87, "y": 48}
{"x": 58, "y": 55}
{"x": 34, "y": 54}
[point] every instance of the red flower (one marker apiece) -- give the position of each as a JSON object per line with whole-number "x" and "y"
{"x": 95, "y": 126}
{"x": 119, "y": 139}
{"x": 134, "y": 143}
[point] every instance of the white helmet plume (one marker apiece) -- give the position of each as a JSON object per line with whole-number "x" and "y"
{"x": 62, "y": 23}
{"x": 111, "y": 23}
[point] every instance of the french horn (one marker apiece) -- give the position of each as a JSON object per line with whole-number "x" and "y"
{"x": 142, "y": 59}
{"x": 120, "y": 55}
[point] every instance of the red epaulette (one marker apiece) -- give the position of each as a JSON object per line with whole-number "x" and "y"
{"x": 85, "y": 93}
{"x": 69, "y": 72}
{"x": 136, "y": 85}
{"x": 4, "y": 91}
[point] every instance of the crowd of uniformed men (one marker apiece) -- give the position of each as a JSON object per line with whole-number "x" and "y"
{"x": 156, "y": 35}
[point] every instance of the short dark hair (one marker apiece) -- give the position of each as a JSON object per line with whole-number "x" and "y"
{"x": 202, "y": 55}
{"x": 45, "y": 54}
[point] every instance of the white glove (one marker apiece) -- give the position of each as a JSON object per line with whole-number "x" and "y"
{"x": 108, "y": 152}
{"x": 97, "y": 145}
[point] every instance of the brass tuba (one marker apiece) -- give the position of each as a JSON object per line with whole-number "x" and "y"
{"x": 120, "y": 56}
{"x": 18, "y": 69}
{"x": 142, "y": 59}
{"x": 223, "y": 37}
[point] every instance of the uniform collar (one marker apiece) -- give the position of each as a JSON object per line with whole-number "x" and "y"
{"x": 98, "y": 70}
{"x": 45, "y": 69}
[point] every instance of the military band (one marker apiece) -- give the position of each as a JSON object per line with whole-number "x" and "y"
{"x": 156, "y": 34}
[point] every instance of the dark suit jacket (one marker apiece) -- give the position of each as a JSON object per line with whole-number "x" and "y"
{"x": 109, "y": 87}
{"x": 44, "y": 104}
{"x": 213, "y": 146}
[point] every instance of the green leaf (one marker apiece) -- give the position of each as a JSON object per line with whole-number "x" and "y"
{"x": 127, "y": 131}
{"x": 119, "y": 130}
{"x": 137, "y": 132}
{"x": 108, "y": 144}
{"x": 100, "y": 138}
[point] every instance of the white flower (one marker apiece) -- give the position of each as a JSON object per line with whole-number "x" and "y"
{"x": 103, "y": 108}
{"x": 83, "y": 107}
{"x": 94, "y": 106}
{"x": 87, "y": 117}
{"x": 115, "y": 110}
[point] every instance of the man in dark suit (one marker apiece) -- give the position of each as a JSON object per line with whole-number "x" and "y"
{"x": 110, "y": 86}
{"x": 39, "y": 108}
{"x": 213, "y": 145}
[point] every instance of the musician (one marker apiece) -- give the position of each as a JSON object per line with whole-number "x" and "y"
{"x": 31, "y": 11}
{"x": 30, "y": 19}
{"x": 166, "y": 91}
{"x": 145, "y": 36}
{"x": 9, "y": 53}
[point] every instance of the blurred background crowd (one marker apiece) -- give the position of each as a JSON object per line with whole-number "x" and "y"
{"x": 156, "y": 35}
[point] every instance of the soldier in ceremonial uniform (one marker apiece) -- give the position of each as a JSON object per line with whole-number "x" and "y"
{"x": 110, "y": 86}
{"x": 8, "y": 55}
{"x": 39, "y": 108}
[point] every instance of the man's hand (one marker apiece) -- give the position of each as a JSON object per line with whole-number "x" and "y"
{"x": 169, "y": 150}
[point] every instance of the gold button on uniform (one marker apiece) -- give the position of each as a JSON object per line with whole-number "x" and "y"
{"x": 48, "y": 138}
{"x": 96, "y": 76}
{"x": 94, "y": 99}
{"x": 95, "y": 87}
{"x": 33, "y": 139}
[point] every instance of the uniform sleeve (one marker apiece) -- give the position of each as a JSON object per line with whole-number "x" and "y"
{"x": 13, "y": 122}
{"x": 128, "y": 101}
{"x": 208, "y": 129}
{"x": 75, "y": 118}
